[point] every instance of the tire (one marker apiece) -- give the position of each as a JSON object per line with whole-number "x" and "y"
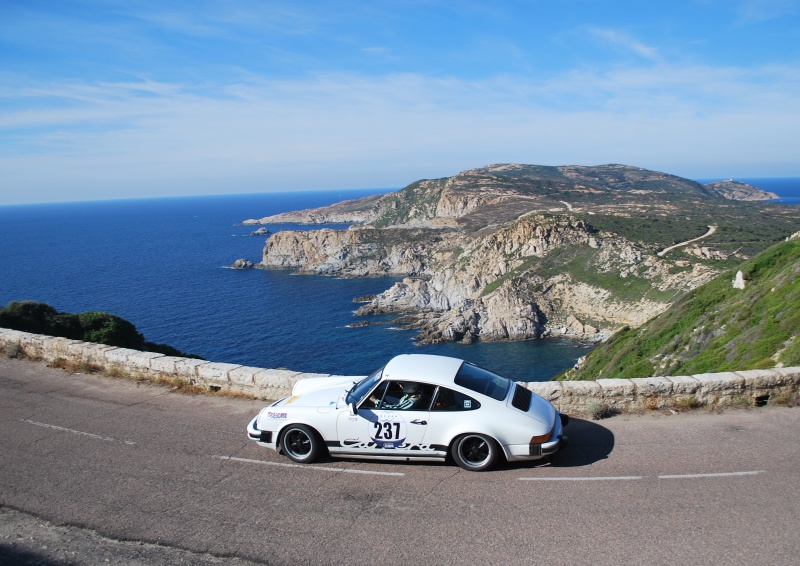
{"x": 300, "y": 444}
{"x": 475, "y": 452}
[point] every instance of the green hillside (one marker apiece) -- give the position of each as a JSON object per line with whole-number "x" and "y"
{"x": 714, "y": 328}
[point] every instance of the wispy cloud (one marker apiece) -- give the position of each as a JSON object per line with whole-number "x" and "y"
{"x": 230, "y": 19}
{"x": 755, "y": 11}
{"x": 625, "y": 43}
{"x": 342, "y": 129}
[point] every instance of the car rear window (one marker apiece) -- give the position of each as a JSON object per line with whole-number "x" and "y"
{"x": 449, "y": 400}
{"x": 481, "y": 381}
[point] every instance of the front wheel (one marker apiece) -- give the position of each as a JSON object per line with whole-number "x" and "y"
{"x": 475, "y": 452}
{"x": 300, "y": 444}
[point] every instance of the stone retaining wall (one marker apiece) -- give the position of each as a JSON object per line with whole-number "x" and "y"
{"x": 608, "y": 396}
{"x": 592, "y": 398}
{"x": 260, "y": 382}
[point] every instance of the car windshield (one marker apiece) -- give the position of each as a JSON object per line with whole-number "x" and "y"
{"x": 363, "y": 387}
{"x": 478, "y": 379}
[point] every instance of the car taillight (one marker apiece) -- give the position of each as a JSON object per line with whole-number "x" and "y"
{"x": 541, "y": 439}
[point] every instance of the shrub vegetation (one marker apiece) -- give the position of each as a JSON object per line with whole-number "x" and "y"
{"x": 92, "y": 326}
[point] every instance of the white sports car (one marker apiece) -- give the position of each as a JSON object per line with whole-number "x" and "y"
{"x": 416, "y": 407}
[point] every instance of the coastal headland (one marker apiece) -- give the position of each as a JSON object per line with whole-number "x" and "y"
{"x": 517, "y": 252}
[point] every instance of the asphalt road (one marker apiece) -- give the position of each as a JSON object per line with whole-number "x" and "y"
{"x": 88, "y": 462}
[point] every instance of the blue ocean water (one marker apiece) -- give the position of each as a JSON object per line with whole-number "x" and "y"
{"x": 160, "y": 263}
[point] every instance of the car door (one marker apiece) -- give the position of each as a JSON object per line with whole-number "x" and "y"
{"x": 451, "y": 414}
{"x": 387, "y": 423}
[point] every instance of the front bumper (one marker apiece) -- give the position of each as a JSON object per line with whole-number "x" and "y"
{"x": 263, "y": 437}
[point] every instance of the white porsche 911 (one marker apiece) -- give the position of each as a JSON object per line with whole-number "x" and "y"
{"x": 416, "y": 407}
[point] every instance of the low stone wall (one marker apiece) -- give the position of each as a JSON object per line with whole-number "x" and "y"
{"x": 592, "y": 398}
{"x": 604, "y": 397}
{"x": 260, "y": 382}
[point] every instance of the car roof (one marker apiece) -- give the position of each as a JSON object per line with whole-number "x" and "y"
{"x": 440, "y": 370}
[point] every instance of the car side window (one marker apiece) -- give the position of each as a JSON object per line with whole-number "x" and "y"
{"x": 406, "y": 396}
{"x": 374, "y": 399}
{"x": 449, "y": 400}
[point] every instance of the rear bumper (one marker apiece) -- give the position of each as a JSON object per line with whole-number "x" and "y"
{"x": 521, "y": 452}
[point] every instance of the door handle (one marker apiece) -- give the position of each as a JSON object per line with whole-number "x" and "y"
{"x": 417, "y": 421}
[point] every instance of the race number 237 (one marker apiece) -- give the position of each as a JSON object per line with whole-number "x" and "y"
{"x": 385, "y": 430}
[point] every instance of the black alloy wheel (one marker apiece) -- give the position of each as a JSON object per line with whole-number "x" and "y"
{"x": 300, "y": 444}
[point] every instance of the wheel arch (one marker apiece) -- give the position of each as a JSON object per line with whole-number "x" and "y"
{"x": 282, "y": 430}
{"x": 475, "y": 432}
{"x": 468, "y": 432}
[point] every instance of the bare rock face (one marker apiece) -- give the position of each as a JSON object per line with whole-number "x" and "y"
{"x": 348, "y": 253}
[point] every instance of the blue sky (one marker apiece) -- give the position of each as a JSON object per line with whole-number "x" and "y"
{"x": 111, "y": 99}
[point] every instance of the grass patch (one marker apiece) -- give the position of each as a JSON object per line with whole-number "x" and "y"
{"x": 75, "y": 366}
{"x": 789, "y": 399}
{"x": 686, "y": 403}
{"x": 14, "y": 350}
{"x": 598, "y": 410}
{"x": 790, "y": 356}
{"x": 174, "y": 383}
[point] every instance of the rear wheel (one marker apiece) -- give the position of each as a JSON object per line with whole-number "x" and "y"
{"x": 475, "y": 452}
{"x": 300, "y": 444}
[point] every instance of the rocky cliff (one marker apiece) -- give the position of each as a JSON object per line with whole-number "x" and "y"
{"x": 511, "y": 252}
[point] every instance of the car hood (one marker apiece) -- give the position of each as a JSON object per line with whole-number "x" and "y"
{"x": 319, "y": 391}
{"x": 308, "y": 384}
{"x": 325, "y": 397}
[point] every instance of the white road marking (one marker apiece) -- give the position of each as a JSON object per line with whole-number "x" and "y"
{"x": 716, "y": 475}
{"x": 306, "y": 467}
{"x": 80, "y": 432}
{"x": 662, "y": 477}
{"x": 600, "y": 478}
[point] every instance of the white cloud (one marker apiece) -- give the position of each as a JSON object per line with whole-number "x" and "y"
{"x": 626, "y": 43}
{"x": 344, "y": 130}
{"x": 756, "y": 11}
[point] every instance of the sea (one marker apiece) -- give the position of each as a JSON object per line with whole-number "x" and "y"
{"x": 162, "y": 264}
